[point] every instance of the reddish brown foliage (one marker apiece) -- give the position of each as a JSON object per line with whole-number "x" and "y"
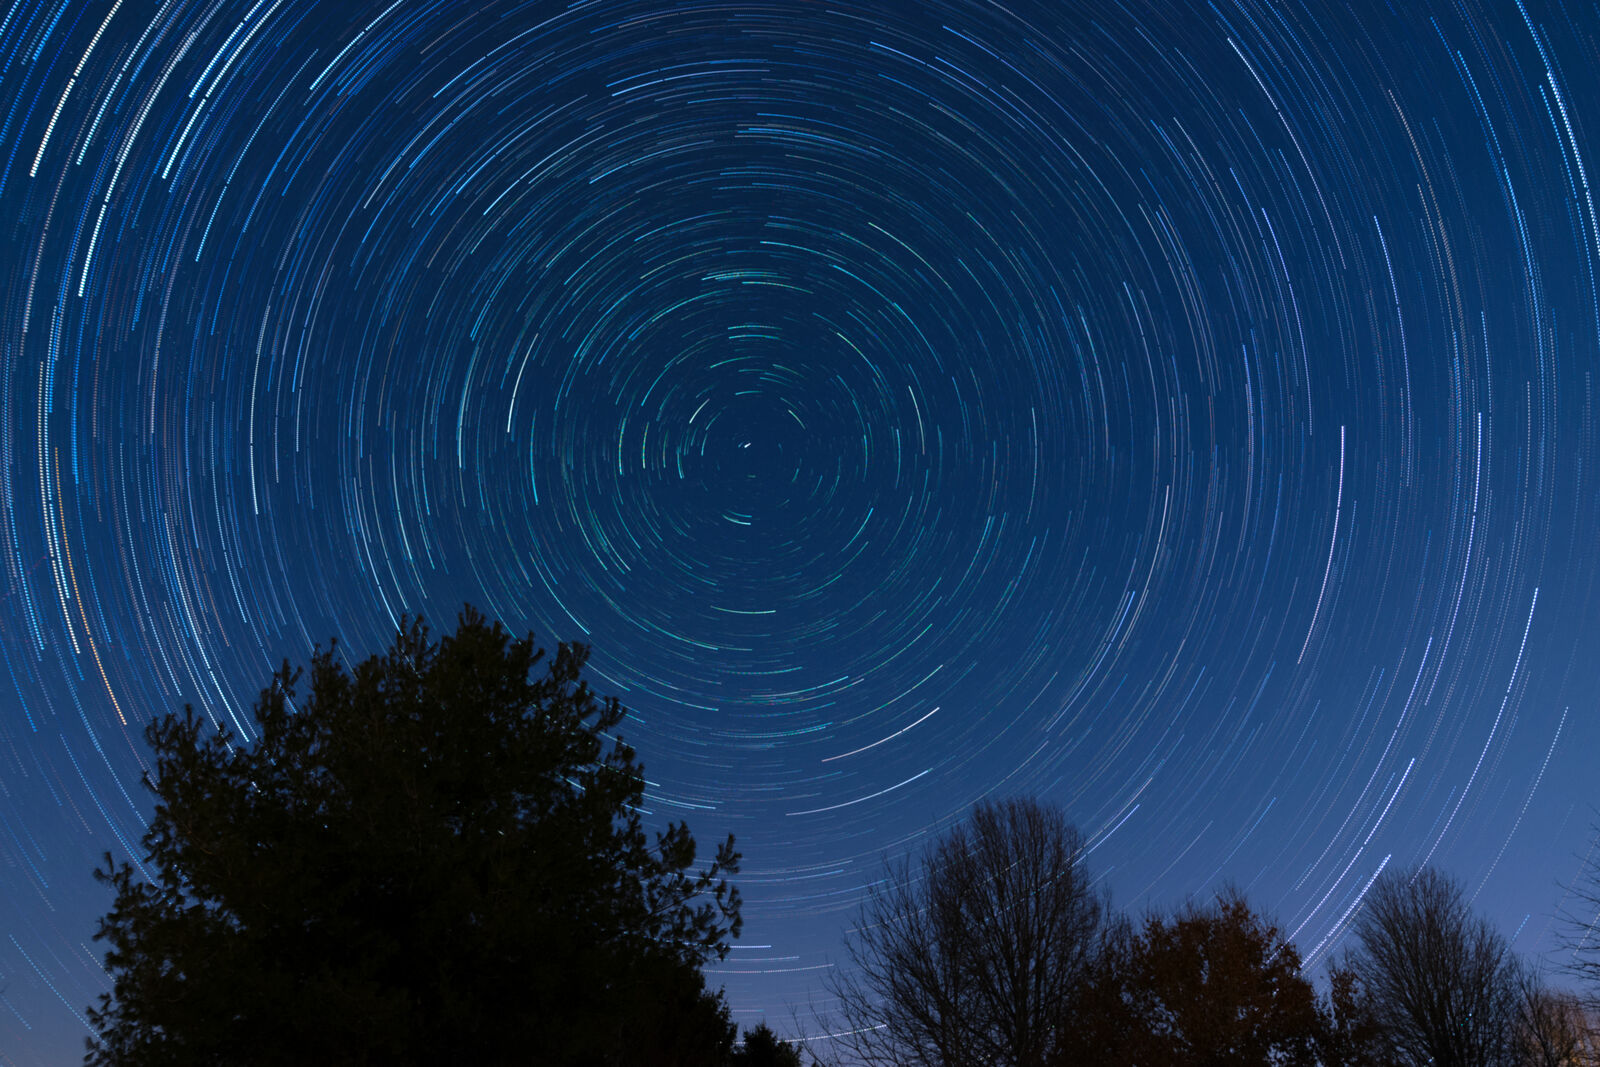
{"x": 1217, "y": 986}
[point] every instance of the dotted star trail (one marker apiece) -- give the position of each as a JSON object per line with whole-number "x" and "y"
{"x": 1185, "y": 413}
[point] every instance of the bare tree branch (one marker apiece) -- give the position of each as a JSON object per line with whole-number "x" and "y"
{"x": 972, "y": 954}
{"x": 1442, "y": 980}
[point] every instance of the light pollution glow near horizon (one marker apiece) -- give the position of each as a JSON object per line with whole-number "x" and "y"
{"x": 1182, "y": 412}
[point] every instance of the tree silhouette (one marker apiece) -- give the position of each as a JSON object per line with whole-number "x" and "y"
{"x": 763, "y": 1048}
{"x": 434, "y": 857}
{"x": 1349, "y": 1035}
{"x": 1553, "y": 1027}
{"x": 1218, "y": 986}
{"x": 974, "y": 955}
{"x": 1442, "y": 980}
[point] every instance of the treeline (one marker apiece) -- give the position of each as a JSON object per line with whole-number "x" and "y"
{"x": 437, "y": 856}
{"x": 993, "y": 947}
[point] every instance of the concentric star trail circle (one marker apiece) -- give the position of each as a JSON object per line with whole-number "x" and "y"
{"x": 1185, "y": 414}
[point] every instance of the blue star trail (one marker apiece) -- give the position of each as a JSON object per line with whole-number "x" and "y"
{"x": 1182, "y": 412}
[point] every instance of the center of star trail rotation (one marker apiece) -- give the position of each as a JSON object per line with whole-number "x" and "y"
{"x": 1186, "y": 415}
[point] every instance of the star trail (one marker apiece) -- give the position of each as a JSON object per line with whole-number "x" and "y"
{"x": 1185, "y": 413}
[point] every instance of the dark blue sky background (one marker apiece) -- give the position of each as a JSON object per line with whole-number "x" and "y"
{"x": 1182, "y": 412}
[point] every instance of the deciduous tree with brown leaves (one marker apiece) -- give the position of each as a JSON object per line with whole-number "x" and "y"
{"x": 1213, "y": 986}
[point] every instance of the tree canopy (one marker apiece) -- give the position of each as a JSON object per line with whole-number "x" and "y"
{"x": 763, "y": 1048}
{"x": 973, "y": 955}
{"x": 436, "y": 856}
{"x": 1215, "y": 985}
{"x": 1442, "y": 980}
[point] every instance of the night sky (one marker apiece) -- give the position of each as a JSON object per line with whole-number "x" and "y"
{"x": 1185, "y": 413}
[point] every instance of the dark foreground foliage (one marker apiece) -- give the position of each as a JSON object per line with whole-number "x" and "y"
{"x": 1212, "y": 985}
{"x": 974, "y": 953}
{"x": 993, "y": 948}
{"x": 434, "y": 858}
{"x": 763, "y": 1048}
